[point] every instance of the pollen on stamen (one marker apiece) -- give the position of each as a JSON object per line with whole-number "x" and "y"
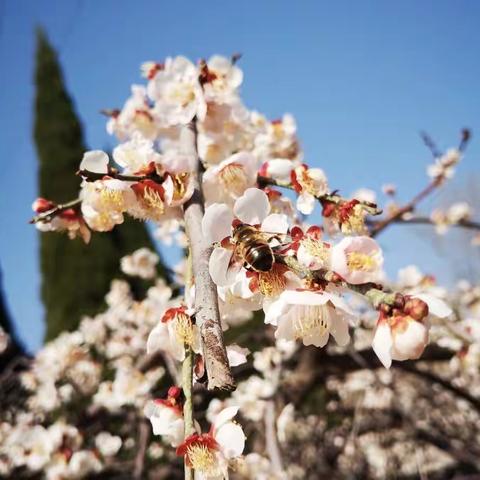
{"x": 112, "y": 199}
{"x": 271, "y": 283}
{"x": 202, "y": 459}
{"x": 357, "y": 261}
{"x": 154, "y": 200}
{"x": 233, "y": 178}
{"x": 316, "y": 248}
{"x": 313, "y": 318}
{"x": 184, "y": 329}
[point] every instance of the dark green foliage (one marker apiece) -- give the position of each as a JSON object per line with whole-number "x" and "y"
{"x": 75, "y": 277}
{"x": 14, "y": 347}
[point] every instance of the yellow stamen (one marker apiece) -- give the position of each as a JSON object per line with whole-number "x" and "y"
{"x": 112, "y": 199}
{"x": 314, "y": 317}
{"x": 271, "y": 283}
{"x": 355, "y": 224}
{"x": 203, "y": 459}
{"x": 360, "y": 261}
{"x": 184, "y": 329}
{"x": 180, "y": 182}
{"x": 153, "y": 200}
{"x": 307, "y": 182}
{"x": 316, "y": 248}
{"x": 233, "y": 178}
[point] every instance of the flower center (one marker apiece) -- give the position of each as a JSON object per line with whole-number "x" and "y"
{"x": 233, "y": 178}
{"x": 316, "y": 248}
{"x": 179, "y": 185}
{"x": 183, "y": 94}
{"x": 184, "y": 329}
{"x": 271, "y": 283}
{"x": 153, "y": 200}
{"x": 144, "y": 122}
{"x": 307, "y": 183}
{"x": 202, "y": 459}
{"x": 112, "y": 199}
{"x": 311, "y": 318}
{"x": 355, "y": 222}
{"x": 360, "y": 261}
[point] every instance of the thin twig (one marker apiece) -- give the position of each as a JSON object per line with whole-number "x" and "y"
{"x": 407, "y": 208}
{"x": 271, "y": 440}
{"x": 113, "y": 173}
{"x": 468, "y": 224}
{"x": 187, "y": 380}
{"x": 143, "y": 435}
{"x": 370, "y": 207}
{"x": 431, "y": 187}
{"x": 53, "y": 212}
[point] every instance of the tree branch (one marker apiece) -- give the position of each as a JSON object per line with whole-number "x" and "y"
{"x": 53, "y": 212}
{"x": 407, "y": 208}
{"x": 206, "y": 300}
{"x": 432, "y": 186}
{"x": 468, "y": 224}
{"x": 113, "y": 173}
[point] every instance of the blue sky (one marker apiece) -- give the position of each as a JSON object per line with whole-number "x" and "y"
{"x": 362, "y": 78}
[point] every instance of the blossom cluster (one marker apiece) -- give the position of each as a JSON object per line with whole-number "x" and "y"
{"x": 311, "y": 281}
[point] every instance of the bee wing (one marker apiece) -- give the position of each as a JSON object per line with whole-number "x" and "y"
{"x": 277, "y": 240}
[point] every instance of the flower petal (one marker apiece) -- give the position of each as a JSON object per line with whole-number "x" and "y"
{"x": 231, "y": 439}
{"x": 218, "y": 267}
{"x": 224, "y": 416}
{"x": 217, "y": 222}
{"x": 158, "y": 338}
{"x": 382, "y": 344}
{"x": 305, "y": 297}
{"x": 252, "y": 207}
{"x": 95, "y": 161}
{"x": 275, "y": 223}
{"x": 306, "y": 203}
{"x": 436, "y": 306}
{"x": 237, "y": 355}
{"x": 339, "y": 329}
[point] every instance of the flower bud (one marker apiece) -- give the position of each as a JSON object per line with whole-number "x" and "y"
{"x": 416, "y": 308}
{"x": 174, "y": 392}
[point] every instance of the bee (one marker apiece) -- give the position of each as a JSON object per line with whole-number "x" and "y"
{"x": 252, "y": 246}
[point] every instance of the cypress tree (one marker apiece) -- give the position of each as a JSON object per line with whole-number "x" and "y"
{"x": 14, "y": 347}
{"x": 75, "y": 277}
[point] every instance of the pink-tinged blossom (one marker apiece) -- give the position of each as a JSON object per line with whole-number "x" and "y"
{"x": 134, "y": 117}
{"x": 229, "y": 179}
{"x": 310, "y": 317}
{"x": 444, "y": 166}
{"x": 104, "y": 203}
{"x": 312, "y": 251}
{"x": 222, "y": 80}
{"x": 136, "y": 155}
{"x": 166, "y": 417}
{"x": 309, "y": 183}
{"x": 141, "y": 263}
{"x": 210, "y": 453}
{"x": 358, "y": 260}
{"x": 69, "y": 220}
{"x": 175, "y": 331}
{"x": 280, "y": 169}
{"x": 404, "y": 335}
{"x": 177, "y": 93}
